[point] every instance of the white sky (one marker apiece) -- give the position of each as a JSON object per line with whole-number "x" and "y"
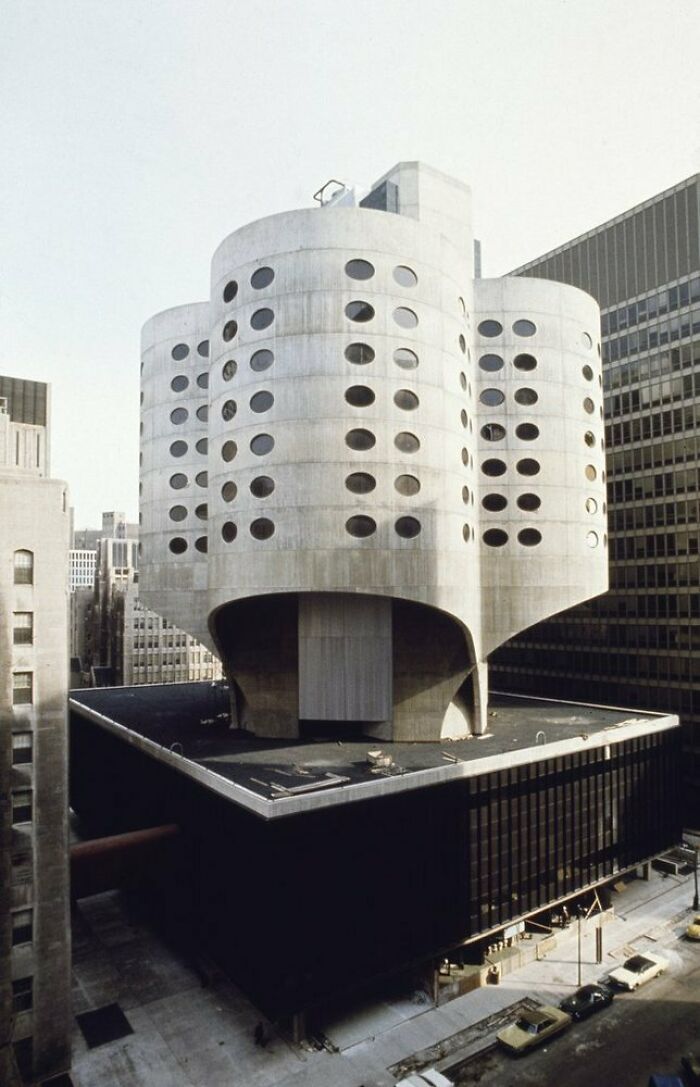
{"x": 136, "y": 134}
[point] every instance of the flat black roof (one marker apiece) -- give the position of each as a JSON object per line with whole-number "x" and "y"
{"x": 188, "y": 724}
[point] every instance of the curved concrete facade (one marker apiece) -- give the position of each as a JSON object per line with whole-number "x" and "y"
{"x": 351, "y": 573}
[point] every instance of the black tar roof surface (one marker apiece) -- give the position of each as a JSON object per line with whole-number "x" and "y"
{"x": 195, "y": 717}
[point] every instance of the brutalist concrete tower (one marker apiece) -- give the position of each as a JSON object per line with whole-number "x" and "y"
{"x": 363, "y": 469}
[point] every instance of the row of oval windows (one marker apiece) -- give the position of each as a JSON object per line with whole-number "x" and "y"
{"x": 491, "y": 328}
{"x": 495, "y": 503}
{"x": 359, "y": 440}
{"x": 491, "y": 364}
{"x": 180, "y": 351}
{"x": 527, "y": 467}
{"x": 355, "y": 269}
{"x": 356, "y": 310}
{"x": 181, "y": 382}
{"x": 358, "y": 353}
{"x": 497, "y": 537}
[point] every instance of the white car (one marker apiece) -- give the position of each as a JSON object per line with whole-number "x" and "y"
{"x": 637, "y": 970}
{"x": 429, "y": 1077}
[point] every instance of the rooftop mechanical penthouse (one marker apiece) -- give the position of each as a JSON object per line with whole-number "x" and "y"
{"x": 363, "y": 469}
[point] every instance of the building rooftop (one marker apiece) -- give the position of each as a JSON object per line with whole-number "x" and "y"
{"x": 187, "y": 725}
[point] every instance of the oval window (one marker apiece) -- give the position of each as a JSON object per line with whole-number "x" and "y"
{"x": 405, "y": 276}
{"x": 405, "y": 358}
{"x": 229, "y": 330}
{"x": 261, "y": 401}
{"x": 201, "y": 544}
{"x": 492, "y": 397}
{"x": 405, "y": 317}
{"x": 180, "y": 351}
{"x": 493, "y": 467}
{"x": 359, "y": 353}
{"x": 466, "y": 533}
{"x": 527, "y": 467}
{"x": 360, "y": 482}
{"x": 203, "y": 349}
{"x": 178, "y": 481}
{"x": 177, "y": 545}
{"x": 179, "y": 383}
{"x": 527, "y": 432}
{"x": 464, "y": 418}
{"x": 201, "y": 479}
{"x": 262, "y": 444}
{"x": 262, "y": 318}
{"x": 529, "y": 537}
{"x": 202, "y": 511}
{"x": 407, "y": 527}
{"x": 462, "y": 344}
{"x": 587, "y": 372}
{"x": 359, "y": 311}
{"x": 591, "y": 473}
{"x": 463, "y": 381}
{"x": 465, "y": 495}
{"x": 592, "y": 539}
{"x": 229, "y": 491}
{"x": 228, "y": 410}
{"x": 179, "y": 416}
{"x": 360, "y": 526}
{"x": 229, "y": 450}
{"x": 178, "y": 513}
{"x": 178, "y": 449}
{"x": 405, "y": 399}
{"x": 493, "y": 432}
{"x": 203, "y": 413}
{"x": 406, "y": 442}
{"x": 589, "y": 438}
{"x": 359, "y": 439}
{"x": 588, "y": 405}
{"x": 261, "y": 360}
{"x": 495, "y": 537}
{"x": 494, "y": 503}
{"x": 262, "y": 486}
{"x": 525, "y": 362}
{"x": 263, "y": 277}
{"x": 591, "y": 505}
{"x": 203, "y": 380}
{"x": 359, "y": 269}
{"x": 202, "y": 445}
{"x": 527, "y": 397}
{"x": 407, "y": 485}
{"x": 490, "y": 329}
{"x": 524, "y": 328}
{"x": 229, "y": 531}
{"x": 262, "y": 528}
{"x": 230, "y": 290}
{"x": 529, "y": 502}
{"x": 359, "y": 396}
{"x": 586, "y": 340}
{"x": 491, "y": 363}
{"x": 229, "y": 370}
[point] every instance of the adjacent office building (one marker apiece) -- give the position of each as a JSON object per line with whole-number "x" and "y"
{"x": 35, "y": 991}
{"x": 639, "y": 645}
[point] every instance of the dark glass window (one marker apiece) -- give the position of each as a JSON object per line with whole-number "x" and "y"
{"x": 229, "y": 491}
{"x": 261, "y": 360}
{"x": 529, "y": 537}
{"x": 179, "y": 416}
{"x": 202, "y": 445}
{"x": 262, "y": 486}
{"x": 491, "y": 363}
{"x": 229, "y": 450}
{"x": 494, "y": 502}
{"x": 407, "y": 485}
{"x": 178, "y": 449}
{"x": 178, "y": 513}
{"x": 493, "y": 432}
{"x": 230, "y": 290}
{"x": 203, "y": 349}
{"x": 527, "y": 432}
{"x": 495, "y": 537}
{"x": 180, "y": 351}
{"x": 359, "y": 396}
{"x": 405, "y": 358}
{"x": 230, "y": 330}
{"x": 359, "y": 311}
{"x": 527, "y": 467}
{"x": 359, "y": 269}
{"x": 229, "y": 531}
{"x": 179, "y": 383}
{"x": 526, "y": 397}
{"x": 263, "y": 277}
{"x": 202, "y": 511}
{"x": 524, "y": 328}
{"x": 360, "y": 526}
{"x": 201, "y": 544}
{"x": 178, "y": 481}
{"x": 178, "y": 545}
{"x": 406, "y": 442}
{"x": 261, "y": 401}
{"x": 262, "y": 528}
{"x": 359, "y": 439}
{"x": 203, "y": 380}
{"x": 203, "y": 413}
{"x": 229, "y": 369}
{"x": 529, "y": 502}
{"x": 201, "y": 479}
{"x": 262, "y": 444}
{"x": 228, "y": 410}
{"x": 490, "y": 329}
{"x": 405, "y": 399}
{"x": 407, "y": 527}
{"x": 493, "y": 467}
{"x": 524, "y": 362}
{"x": 360, "y": 482}
{"x": 359, "y": 353}
{"x": 262, "y": 318}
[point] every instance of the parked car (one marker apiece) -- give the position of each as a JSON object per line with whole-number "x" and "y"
{"x": 637, "y": 970}
{"x": 531, "y": 1028}
{"x": 693, "y": 929}
{"x": 586, "y": 1001}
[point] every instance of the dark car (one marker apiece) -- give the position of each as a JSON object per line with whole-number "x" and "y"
{"x": 586, "y": 1001}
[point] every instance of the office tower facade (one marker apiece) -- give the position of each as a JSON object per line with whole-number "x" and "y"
{"x": 639, "y": 645}
{"x": 357, "y": 459}
{"x": 35, "y": 990}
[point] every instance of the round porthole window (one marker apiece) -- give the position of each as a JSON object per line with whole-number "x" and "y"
{"x": 407, "y": 527}
{"x": 178, "y": 449}
{"x": 230, "y": 291}
{"x": 229, "y": 531}
{"x": 463, "y": 381}
{"x": 262, "y": 486}
{"x": 491, "y": 363}
{"x": 490, "y": 329}
{"x": 527, "y": 432}
{"x": 407, "y": 485}
{"x": 262, "y": 318}
{"x": 589, "y": 438}
{"x": 405, "y": 317}
{"x": 229, "y": 491}
{"x": 202, "y": 511}
{"x": 592, "y": 539}
{"x": 359, "y": 353}
{"x": 359, "y": 396}
{"x": 179, "y": 383}
{"x": 466, "y": 533}
{"x": 202, "y": 445}
{"x": 462, "y": 344}
{"x": 359, "y": 311}
{"x": 262, "y": 528}
{"x": 586, "y": 340}
{"x": 591, "y": 473}
{"x": 405, "y": 358}
{"x": 360, "y": 526}
{"x": 529, "y": 502}
{"x": 529, "y": 537}
{"x": 494, "y": 503}
{"x": 492, "y": 397}
{"x": 201, "y": 479}
{"x": 495, "y": 537}
{"x": 229, "y": 450}
{"x": 405, "y": 276}
{"x": 203, "y": 380}
{"x": 406, "y": 442}
{"x": 359, "y": 269}
{"x": 525, "y": 362}
{"x": 228, "y": 410}
{"x": 591, "y": 505}
{"x": 178, "y": 513}
{"x": 528, "y": 467}
{"x": 178, "y": 545}
{"x": 526, "y": 397}
{"x": 464, "y": 419}
{"x": 360, "y": 482}
{"x": 262, "y": 444}
{"x": 493, "y": 467}
{"x": 203, "y": 413}
{"x": 261, "y": 360}
{"x": 229, "y": 369}
{"x": 465, "y": 495}
{"x": 203, "y": 349}
{"x": 180, "y": 351}
{"x": 587, "y": 372}
{"x": 261, "y": 401}
{"x": 201, "y": 544}
{"x": 263, "y": 277}
{"x": 179, "y": 416}
{"x": 493, "y": 432}
{"x": 229, "y": 330}
{"x": 405, "y": 399}
{"x": 524, "y": 328}
{"x": 588, "y": 405}
{"x": 360, "y": 440}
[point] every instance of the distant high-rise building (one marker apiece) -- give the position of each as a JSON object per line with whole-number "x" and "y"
{"x": 638, "y": 645}
{"x": 35, "y": 989}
